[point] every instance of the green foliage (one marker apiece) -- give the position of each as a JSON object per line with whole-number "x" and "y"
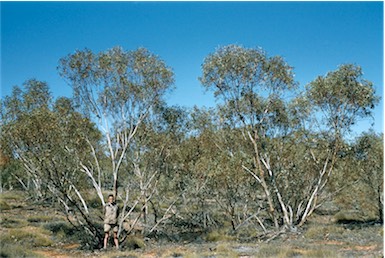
{"x": 251, "y": 84}
{"x": 134, "y": 80}
{"x": 245, "y": 69}
{"x": 46, "y": 139}
{"x": 49, "y": 139}
{"x": 343, "y": 95}
{"x": 290, "y": 158}
{"x": 119, "y": 89}
{"x": 11, "y": 170}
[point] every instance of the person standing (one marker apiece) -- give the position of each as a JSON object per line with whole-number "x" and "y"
{"x": 111, "y": 212}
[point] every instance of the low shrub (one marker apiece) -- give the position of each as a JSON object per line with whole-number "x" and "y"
{"x": 12, "y": 223}
{"x": 133, "y": 242}
{"x": 276, "y": 251}
{"x": 61, "y": 228}
{"x": 12, "y": 250}
{"x": 4, "y": 205}
{"x": 86, "y": 240}
{"x": 68, "y": 233}
{"x": 37, "y": 238}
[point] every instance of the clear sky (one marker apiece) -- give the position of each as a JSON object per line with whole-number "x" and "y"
{"x": 313, "y": 37}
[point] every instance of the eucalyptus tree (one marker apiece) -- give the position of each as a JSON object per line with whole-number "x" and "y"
{"x": 285, "y": 147}
{"x": 252, "y": 86}
{"x": 336, "y": 100}
{"x": 117, "y": 89}
{"x": 149, "y": 176}
{"x": 47, "y": 138}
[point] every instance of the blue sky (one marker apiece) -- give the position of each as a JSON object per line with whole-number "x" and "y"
{"x": 313, "y": 37}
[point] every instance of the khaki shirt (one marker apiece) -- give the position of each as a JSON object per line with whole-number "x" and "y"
{"x": 110, "y": 213}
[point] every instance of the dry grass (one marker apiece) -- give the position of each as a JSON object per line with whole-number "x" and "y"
{"x": 4, "y": 205}
{"x": 266, "y": 250}
{"x": 321, "y": 232}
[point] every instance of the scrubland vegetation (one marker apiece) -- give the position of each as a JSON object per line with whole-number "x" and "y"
{"x": 37, "y": 230}
{"x": 271, "y": 171}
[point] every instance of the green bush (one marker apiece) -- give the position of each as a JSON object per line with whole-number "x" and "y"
{"x": 60, "y": 228}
